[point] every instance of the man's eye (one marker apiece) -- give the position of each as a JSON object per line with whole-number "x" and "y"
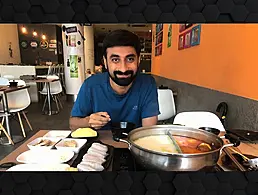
{"x": 115, "y": 60}
{"x": 130, "y": 59}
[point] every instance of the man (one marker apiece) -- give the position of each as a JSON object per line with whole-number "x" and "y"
{"x": 122, "y": 94}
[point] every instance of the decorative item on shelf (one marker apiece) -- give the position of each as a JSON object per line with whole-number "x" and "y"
{"x": 196, "y": 35}
{"x": 187, "y": 37}
{"x": 181, "y": 40}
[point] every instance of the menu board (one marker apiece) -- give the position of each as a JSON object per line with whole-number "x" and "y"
{"x": 158, "y": 39}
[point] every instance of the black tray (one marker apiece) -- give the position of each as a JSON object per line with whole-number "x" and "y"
{"x": 84, "y": 150}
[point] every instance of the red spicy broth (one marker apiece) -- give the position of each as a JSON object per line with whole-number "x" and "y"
{"x": 190, "y": 145}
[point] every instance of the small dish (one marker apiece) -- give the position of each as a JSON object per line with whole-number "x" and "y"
{"x": 45, "y": 157}
{"x": 43, "y": 143}
{"x": 68, "y": 144}
{"x": 58, "y": 134}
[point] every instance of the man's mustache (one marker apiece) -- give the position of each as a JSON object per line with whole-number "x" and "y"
{"x": 128, "y": 72}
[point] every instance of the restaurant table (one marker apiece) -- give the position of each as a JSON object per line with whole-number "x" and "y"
{"x": 105, "y": 137}
{"x": 4, "y": 90}
{"x": 47, "y": 81}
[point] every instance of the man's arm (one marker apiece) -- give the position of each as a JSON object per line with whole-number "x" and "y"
{"x": 77, "y": 122}
{"x": 149, "y": 121}
{"x": 95, "y": 120}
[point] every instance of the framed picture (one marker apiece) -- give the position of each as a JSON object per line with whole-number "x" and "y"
{"x": 187, "y": 41}
{"x": 169, "y": 35}
{"x": 181, "y": 41}
{"x": 181, "y": 27}
{"x": 196, "y": 35}
{"x": 160, "y": 49}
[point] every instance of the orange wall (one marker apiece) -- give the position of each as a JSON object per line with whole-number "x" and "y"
{"x": 226, "y": 59}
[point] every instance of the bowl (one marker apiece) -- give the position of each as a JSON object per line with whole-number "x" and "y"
{"x": 63, "y": 145}
{"x": 53, "y": 140}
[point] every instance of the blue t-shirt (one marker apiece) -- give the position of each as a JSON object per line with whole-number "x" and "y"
{"x": 97, "y": 95}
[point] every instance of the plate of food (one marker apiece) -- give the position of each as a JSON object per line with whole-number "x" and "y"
{"x": 95, "y": 156}
{"x": 71, "y": 144}
{"x": 40, "y": 167}
{"x": 43, "y": 143}
{"x": 58, "y": 134}
{"x": 84, "y": 133}
{"x": 45, "y": 157}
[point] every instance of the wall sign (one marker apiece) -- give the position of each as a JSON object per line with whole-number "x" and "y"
{"x": 52, "y": 45}
{"x": 72, "y": 29}
{"x": 24, "y": 44}
{"x": 34, "y": 44}
{"x": 52, "y": 41}
{"x": 44, "y": 44}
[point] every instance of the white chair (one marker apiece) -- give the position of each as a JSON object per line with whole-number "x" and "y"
{"x": 55, "y": 90}
{"x": 3, "y": 129}
{"x": 18, "y": 101}
{"x": 197, "y": 119}
{"x": 166, "y": 104}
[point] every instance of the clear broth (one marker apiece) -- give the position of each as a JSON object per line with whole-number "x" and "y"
{"x": 163, "y": 143}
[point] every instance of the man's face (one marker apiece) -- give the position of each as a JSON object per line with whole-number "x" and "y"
{"x": 122, "y": 64}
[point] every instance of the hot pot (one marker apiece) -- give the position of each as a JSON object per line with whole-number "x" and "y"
{"x": 177, "y": 161}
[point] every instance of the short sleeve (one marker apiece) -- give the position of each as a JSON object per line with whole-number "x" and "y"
{"x": 150, "y": 106}
{"x": 82, "y": 106}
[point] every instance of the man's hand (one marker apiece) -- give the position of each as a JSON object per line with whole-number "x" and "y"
{"x": 98, "y": 120}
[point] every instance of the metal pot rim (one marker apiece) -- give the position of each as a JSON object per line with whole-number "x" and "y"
{"x": 175, "y": 154}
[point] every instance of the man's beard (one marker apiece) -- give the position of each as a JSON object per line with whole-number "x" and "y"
{"x": 123, "y": 81}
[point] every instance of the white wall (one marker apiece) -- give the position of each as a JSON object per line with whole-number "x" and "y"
{"x": 9, "y": 33}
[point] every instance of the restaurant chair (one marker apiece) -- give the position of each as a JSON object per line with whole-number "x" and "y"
{"x": 197, "y": 119}
{"x": 55, "y": 90}
{"x": 18, "y": 101}
{"x": 3, "y": 129}
{"x": 166, "y": 104}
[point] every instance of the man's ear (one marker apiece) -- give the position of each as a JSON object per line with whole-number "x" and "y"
{"x": 105, "y": 62}
{"x": 139, "y": 60}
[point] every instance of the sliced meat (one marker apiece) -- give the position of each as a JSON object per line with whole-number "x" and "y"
{"x": 93, "y": 158}
{"x": 96, "y": 166}
{"x": 97, "y": 152}
{"x": 82, "y": 167}
{"x": 100, "y": 147}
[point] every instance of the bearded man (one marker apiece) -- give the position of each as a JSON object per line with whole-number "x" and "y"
{"x": 122, "y": 94}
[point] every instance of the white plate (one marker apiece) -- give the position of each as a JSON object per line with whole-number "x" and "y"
{"x": 45, "y": 157}
{"x": 58, "y": 134}
{"x": 32, "y": 147}
{"x": 80, "y": 144}
{"x": 39, "y": 167}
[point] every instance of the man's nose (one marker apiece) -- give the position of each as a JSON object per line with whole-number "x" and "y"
{"x": 123, "y": 67}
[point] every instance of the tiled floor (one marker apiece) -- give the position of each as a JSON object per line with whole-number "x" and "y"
{"x": 38, "y": 122}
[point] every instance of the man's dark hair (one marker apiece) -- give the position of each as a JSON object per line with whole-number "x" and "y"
{"x": 118, "y": 38}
